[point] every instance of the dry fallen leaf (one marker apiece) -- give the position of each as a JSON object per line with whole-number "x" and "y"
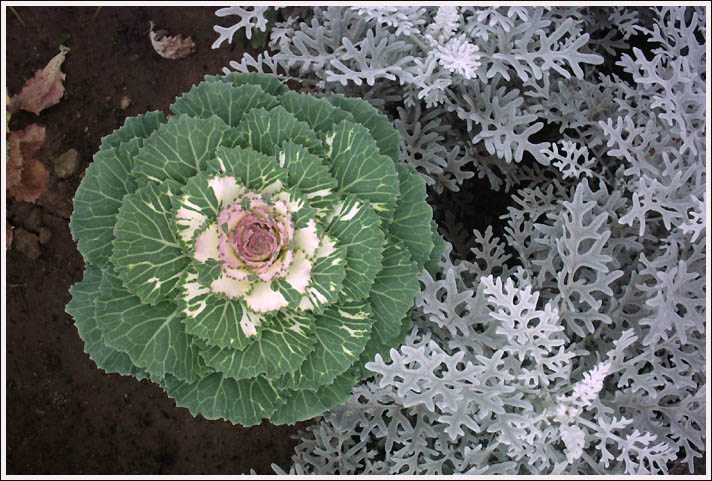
{"x": 8, "y": 234}
{"x": 44, "y": 89}
{"x": 26, "y": 176}
{"x": 168, "y": 46}
{"x": 9, "y": 114}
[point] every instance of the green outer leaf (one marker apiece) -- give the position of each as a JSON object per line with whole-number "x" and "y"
{"x": 152, "y": 336}
{"x": 305, "y": 404}
{"x": 81, "y": 308}
{"x": 244, "y": 402}
{"x": 406, "y": 327}
{"x": 139, "y": 127}
{"x": 285, "y": 343}
{"x": 146, "y": 254}
{"x": 391, "y": 298}
{"x": 386, "y": 136}
{"x": 224, "y": 100}
{"x": 257, "y": 171}
{"x": 98, "y": 198}
{"x": 361, "y": 170}
{"x": 433, "y": 264}
{"x": 269, "y": 83}
{"x": 341, "y": 332}
{"x": 265, "y": 131}
{"x": 181, "y": 147}
{"x": 393, "y": 290}
{"x": 377, "y": 345}
{"x": 363, "y": 238}
{"x": 306, "y": 172}
{"x": 412, "y": 216}
{"x": 318, "y": 113}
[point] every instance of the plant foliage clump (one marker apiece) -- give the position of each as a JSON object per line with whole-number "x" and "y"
{"x": 570, "y": 338}
{"x": 251, "y": 252}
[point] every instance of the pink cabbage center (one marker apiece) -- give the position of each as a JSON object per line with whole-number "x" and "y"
{"x": 256, "y": 239}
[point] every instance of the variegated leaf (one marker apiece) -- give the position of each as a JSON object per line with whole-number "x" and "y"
{"x": 341, "y": 334}
{"x": 361, "y": 170}
{"x": 181, "y": 148}
{"x": 265, "y": 131}
{"x": 147, "y": 255}
{"x": 357, "y": 228}
{"x": 284, "y": 344}
{"x": 309, "y": 175}
{"x": 219, "y": 321}
{"x": 152, "y": 336}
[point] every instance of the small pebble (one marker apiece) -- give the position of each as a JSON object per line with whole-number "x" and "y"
{"x": 27, "y": 243}
{"x": 125, "y": 102}
{"x": 45, "y": 235}
{"x": 66, "y": 164}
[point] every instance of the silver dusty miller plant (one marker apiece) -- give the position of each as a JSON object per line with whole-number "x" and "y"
{"x": 451, "y": 76}
{"x": 575, "y": 342}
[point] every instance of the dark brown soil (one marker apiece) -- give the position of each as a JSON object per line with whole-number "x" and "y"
{"x": 64, "y": 416}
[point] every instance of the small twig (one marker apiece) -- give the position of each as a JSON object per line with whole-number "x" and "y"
{"x": 98, "y": 9}
{"x": 12, "y": 9}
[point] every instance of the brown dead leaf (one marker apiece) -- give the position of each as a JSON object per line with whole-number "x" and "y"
{"x": 26, "y": 176}
{"x": 8, "y": 234}
{"x": 168, "y": 46}
{"x": 44, "y": 89}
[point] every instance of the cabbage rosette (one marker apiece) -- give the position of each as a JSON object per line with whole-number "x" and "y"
{"x": 252, "y": 251}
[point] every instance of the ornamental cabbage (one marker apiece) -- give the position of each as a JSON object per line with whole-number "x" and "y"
{"x": 252, "y": 251}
